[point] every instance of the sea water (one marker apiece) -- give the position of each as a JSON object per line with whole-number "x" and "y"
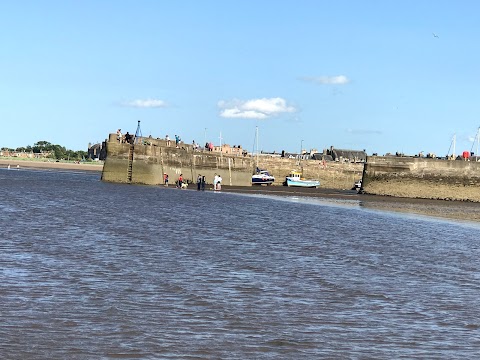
{"x": 93, "y": 270}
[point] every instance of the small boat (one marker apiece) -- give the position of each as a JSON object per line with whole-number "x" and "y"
{"x": 262, "y": 177}
{"x": 295, "y": 179}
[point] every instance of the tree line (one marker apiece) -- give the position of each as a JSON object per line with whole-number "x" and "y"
{"x": 54, "y": 151}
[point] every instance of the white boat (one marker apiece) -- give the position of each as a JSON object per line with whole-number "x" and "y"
{"x": 262, "y": 177}
{"x": 295, "y": 179}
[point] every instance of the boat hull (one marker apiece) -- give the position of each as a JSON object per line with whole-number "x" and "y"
{"x": 262, "y": 177}
{"x": 261, "y": 181}
{"x": 302, "y": 183}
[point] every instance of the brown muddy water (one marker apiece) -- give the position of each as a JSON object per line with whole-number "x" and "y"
{"x": 91, "y": 270}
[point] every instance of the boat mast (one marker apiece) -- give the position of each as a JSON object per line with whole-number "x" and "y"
{"x": 454, "y": 141}
{"x": 452, "y": 144}
{"x": 477, "y": 139}
{"x": 256, "y": 140}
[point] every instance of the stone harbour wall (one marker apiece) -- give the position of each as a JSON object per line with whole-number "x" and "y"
{"x": 424, "y": 178}
{"x": 331, "y": 174}
{"x": 153, "y": 157}
{"x": 151, "y": 161}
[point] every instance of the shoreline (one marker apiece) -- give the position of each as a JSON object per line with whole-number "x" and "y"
{"x": 443, "y": 209}
{"x": 37, "y": 164}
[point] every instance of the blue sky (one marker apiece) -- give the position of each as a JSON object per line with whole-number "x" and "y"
{"x": 384, "y": 76}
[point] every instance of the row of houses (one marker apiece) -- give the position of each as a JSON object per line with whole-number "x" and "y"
{"x": 332, "y": 154}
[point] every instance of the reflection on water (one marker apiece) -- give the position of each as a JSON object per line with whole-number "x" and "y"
{"x": 97, "y": 270}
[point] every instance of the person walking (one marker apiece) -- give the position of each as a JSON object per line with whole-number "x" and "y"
{"x": 219, "y": 183}
{"x": 165, "y": 179}
{"x": 180, "y": 181}
{"x": 204, "y": 180}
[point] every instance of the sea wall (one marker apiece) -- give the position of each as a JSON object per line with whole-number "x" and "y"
{"x": 331, "y": 174}
{"x": 153, "y": 157}
{"x": 414, "y": 177}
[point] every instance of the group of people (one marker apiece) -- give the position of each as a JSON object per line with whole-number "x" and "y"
{"x": 180, "y": 183}
{"x": 201, "y": 182}
{"x": 217, "y": 183}
{"x": 209, "y": 146}
{"x": 127, "y": 138}
{"x": 177, "y": 140}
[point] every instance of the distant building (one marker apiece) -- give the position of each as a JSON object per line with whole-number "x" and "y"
{"x": 344, "y": 155}
{"x": 97, "y": 151}
{"x": 227, "y": 149}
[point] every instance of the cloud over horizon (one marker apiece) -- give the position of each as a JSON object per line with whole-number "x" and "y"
{"x": 327, "y": 80}
{"x": 145, "y": 103}
{"x": 263, "y": 108}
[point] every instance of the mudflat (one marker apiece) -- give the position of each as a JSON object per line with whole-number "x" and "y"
{"x": 454, "y": 210}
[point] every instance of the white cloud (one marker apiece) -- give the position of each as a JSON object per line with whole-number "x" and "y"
{"x": 328, "y": 80}
{"x": 254, "y": 109}
{"x": 147, "y": 103}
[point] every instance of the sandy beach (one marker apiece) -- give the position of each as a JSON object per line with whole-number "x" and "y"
{"x": 20, "y": 163}
{"x": 455, "y": 210}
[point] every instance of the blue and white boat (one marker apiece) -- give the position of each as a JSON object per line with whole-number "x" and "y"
{"x": 295, "y": 179}
{"x": 262, "y": 177}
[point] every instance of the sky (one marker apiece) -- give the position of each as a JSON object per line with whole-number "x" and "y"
{"x": 381, "y": 76}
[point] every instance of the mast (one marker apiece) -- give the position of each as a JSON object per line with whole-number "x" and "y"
{"x": 452, "y": 144}
{"x": 454, "y": 141}
{"x": 256, "y": 140}
{"x": 477, "y": 139}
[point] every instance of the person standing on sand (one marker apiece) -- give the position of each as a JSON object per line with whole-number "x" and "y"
{"x": 180, "y": 181}
{"x": 165, "y": 179}
{"x": 204, "y": 180}
{"x": 219, "y": 183}
{"x": 199, "y": 182}
{"x": 215, "y": 181}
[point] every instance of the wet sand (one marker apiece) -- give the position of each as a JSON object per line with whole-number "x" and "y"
{"x": 31, "y": 164}
{"x": 454, "y": 210}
